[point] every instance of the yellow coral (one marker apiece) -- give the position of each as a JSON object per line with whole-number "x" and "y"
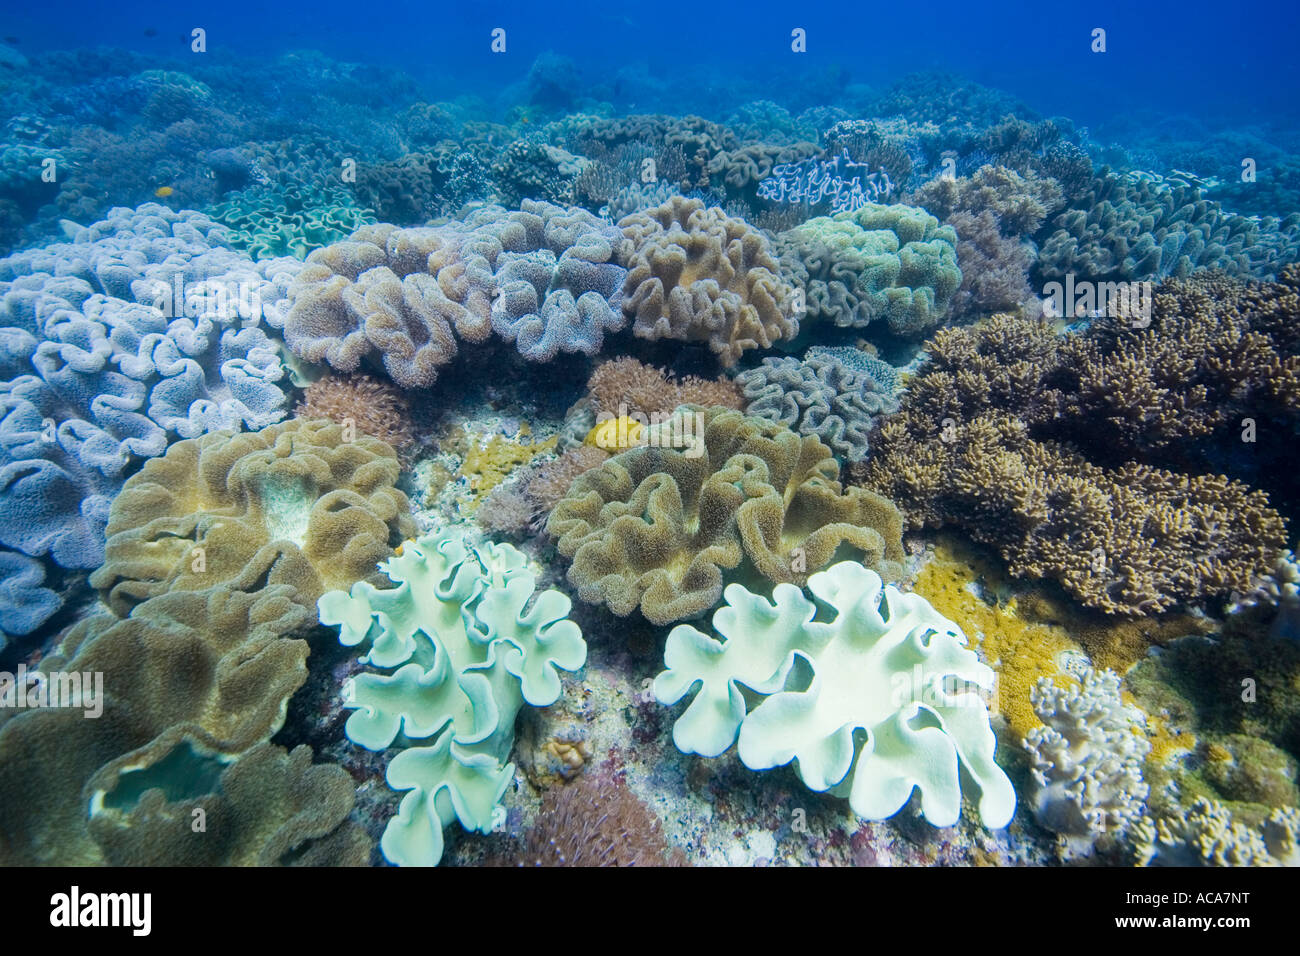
{"x": 488, "y": 464}
{"x": 615, "y": 434}
{"x": 1019, "y": 650}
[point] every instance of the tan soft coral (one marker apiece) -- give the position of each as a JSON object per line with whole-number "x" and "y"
{"x": 699, "y": 275}
{"x": 296, "y": 501}
{"x": 655, "y": 527}
{"x": 636, "y": 387}
{"x": 373, "y": 407}
{"x": 209, "y": 670}
{"x": 399, "y": 295}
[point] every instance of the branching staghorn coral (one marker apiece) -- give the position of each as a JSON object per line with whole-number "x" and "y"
{"x": 1087, "y": 759}
{"x": 698, "y": 275}
{"x": 976, "y": 445}
{"x": 1135, "y": 540}
{"x": 819, "y": 395}
{"x": 856, "y": 687}
{"x": 656, "y": 527}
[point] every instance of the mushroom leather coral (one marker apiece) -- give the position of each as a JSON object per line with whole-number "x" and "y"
{"x": 296, "y": 500}
{"x": 656, "y": 527}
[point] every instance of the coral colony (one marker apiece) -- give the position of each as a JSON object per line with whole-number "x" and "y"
{"x": 918, "y": 441}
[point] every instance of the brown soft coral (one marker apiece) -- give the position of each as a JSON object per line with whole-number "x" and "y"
{"x": 373, "y": 407}
{"x": 191, "y": 680}
{"x": 295, "y": 501}
{"x": 656, "y": 527}
{"x": 597, "y": 821}
{"x": 634, "y": 386}
{"x": 699, "y": 275}
{"x": 400, "y": 295}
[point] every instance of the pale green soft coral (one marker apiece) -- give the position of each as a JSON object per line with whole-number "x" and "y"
{"x": 459, "y": 656}
{"x": 857, "y": 687}
{"x": 892, "y": 264}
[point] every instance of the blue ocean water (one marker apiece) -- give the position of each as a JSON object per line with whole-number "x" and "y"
{"x": 305, "y": 309}
{"x": 1176, "y": 57}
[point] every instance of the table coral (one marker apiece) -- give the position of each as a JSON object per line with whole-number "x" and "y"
{"x": 461, "y": 657}
{"x": 699, "y": 275}
{"x": 893, "y": 264}
{"x": 295, "y": 500}
{"x": 852, "y": 688}
{"x": 655, "y": 527}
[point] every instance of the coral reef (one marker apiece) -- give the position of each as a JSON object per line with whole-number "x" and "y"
{"x": 544, "y": 278}
{"x": 289, "y": 220}
{"x": 1087, "y": 759}
{"x": 1018, "y": 203}
{"x": 373, "y": 408}
{"x": 889, "y": 264}
{"x": 870, "y": 718}
{"x": 191, "y": 681}
{"x": 976, "y": 444}
{"x": 457, "y": 657}
{"x": 596, "y": 821}
{"x": 633, "y": 386}
{"x": 699, "y": 275}
{"x": 656, "y": 527}
{"x": 140, "y": 331}
{"x": 1207, "y": 835}
{"x": 1129, "y": 228}
{"x": 296, "y": 501}
{"x": 821, "y": 396}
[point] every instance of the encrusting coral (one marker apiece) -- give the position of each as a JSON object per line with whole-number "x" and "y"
{"x": 696, "y": 274}
{"x": 656, "y": 527}
{"x": 458, "y": 656}
{"x": 854, "y": 687}
{"x": 297, "y": 501}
